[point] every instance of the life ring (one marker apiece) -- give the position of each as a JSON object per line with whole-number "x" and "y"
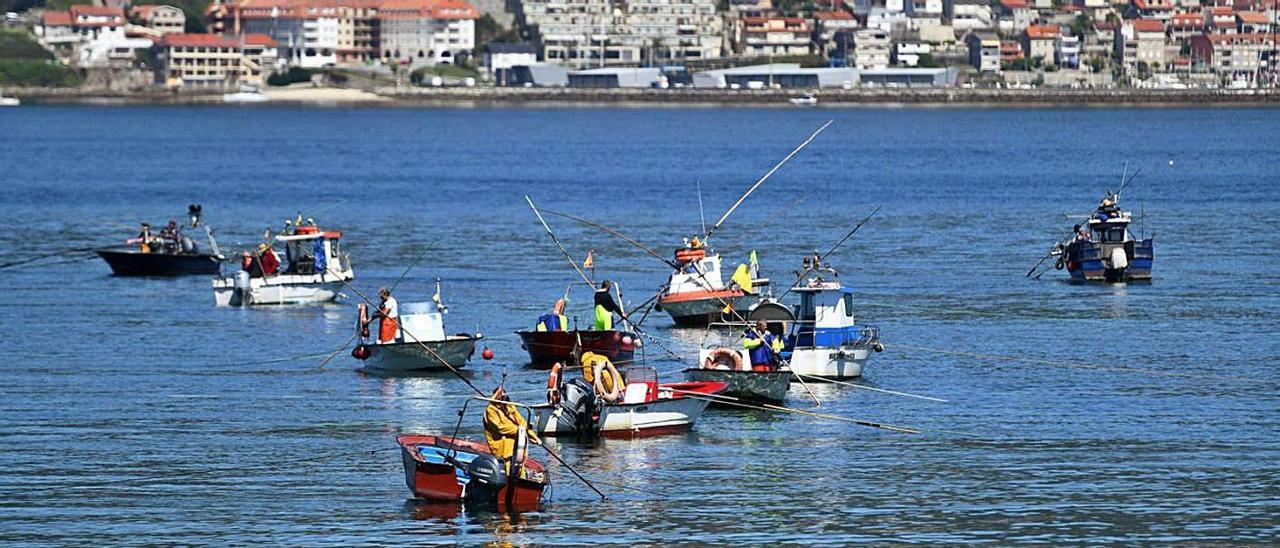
{"x": 553, "y": 384}
{"x": 619, "y": 384}
{"x": 723, "y": 357}
{"x": 688, "y": 255}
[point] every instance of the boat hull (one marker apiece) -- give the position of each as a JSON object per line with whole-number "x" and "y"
{"x": 431, "y": 477}
{"x": 701, "y": 308}
{"x": 1087, "y": 261}
{"x": 829, "y": 363}
{"x": 751, "y": 386}
{"x": 669, "y": 414}
{"x": 282, "y": 289}
{"x": 136, "y": 263}
{"x": 548, "y": 347}
{"x": 411, "y": 357}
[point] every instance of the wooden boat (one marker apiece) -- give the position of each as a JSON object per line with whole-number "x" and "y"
{"x": 420, "y": 345}
{"x": 548, "y": 347}
{"x": 131, "y": 261}
{"x": 316, "y": 272}
{"x": 448, "y": 469}
{"x": 646, "y": 408}
{"x": 1107, "y": 252}
{"x": 733, "y": 368}
{"x": 696, "y": 295}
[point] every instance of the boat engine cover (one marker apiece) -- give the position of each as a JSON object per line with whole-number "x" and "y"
{"x": 1119, "y": 260}
{"x": 488, "y": 470}
{"x": 577, "y": 402}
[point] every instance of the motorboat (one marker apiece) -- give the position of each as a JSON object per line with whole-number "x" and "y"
{"x": 1104, "y": 250}
{"x": 646, "y": 408}
{"x": 824, "y": 339}
{"x": 420, "y": 346}
{"x": 169, "y": 252}
{"x": 315, "y": 271}
{"x": 721, "y": 362}
{"x": 696, "y": 293}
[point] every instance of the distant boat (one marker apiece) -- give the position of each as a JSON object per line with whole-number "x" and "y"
{"x": 806, "y": 100}
{"x": 171, "y": 253}
{"x": 316, "y": 272}
{"x": 247, "y": 94}
{"x": 9, "y": 101}
{"x": 1106, "y": 251}
{"x": 421, "y": 346}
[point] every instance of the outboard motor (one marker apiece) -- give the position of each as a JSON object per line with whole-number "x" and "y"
{"x": 188, "y": 245}
{"x": 578, "y": 405}
{"x": 243, "y": 285}
{"x": 488, "y": 471}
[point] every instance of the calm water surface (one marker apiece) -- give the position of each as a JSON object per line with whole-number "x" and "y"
{"x": 134, "y": 412}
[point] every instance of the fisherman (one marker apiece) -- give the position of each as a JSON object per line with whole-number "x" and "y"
{"x": 389, "y": 311}
{"x": 763, "y": 346}
{"x": 555, "y": 321}
{"x": 144, "y": 239}
{"x": 195, "y": 212}
{"x": 606, "y": 307}
{"x": 1082, "y": 234}
{"x": 169, "y": 236}
{"x": 600, "y": 373}
{"x": 504, "y": 427}
{"x": 267, "y": 260}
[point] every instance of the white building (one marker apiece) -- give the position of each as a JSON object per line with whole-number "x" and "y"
{"x": 762, "y": 36}
{"x": 969, "y": 15}
{"x": 871, "y": 49}
{"x": 159, "y": 18}
{"x": 908, "y": 54}
{"x": 499, "y": 56}
{"x": 80, "y": 25}
{"x": 427, "y": 32}
{"x": 307, "y": 33}
{"x": 594, "y": 33}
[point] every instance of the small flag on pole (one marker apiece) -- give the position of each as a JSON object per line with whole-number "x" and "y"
{"x": 591, "y": 260}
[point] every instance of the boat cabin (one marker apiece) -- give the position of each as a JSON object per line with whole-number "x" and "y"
{"x": 824, "y": 317}
{"x": 1110, "y": 229}
{"x": 421, "y": 322}
{"x": 699, "y": 271}
{"x": 310, "y": 250}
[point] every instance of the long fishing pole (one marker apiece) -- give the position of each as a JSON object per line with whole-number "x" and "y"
{"x": 729, "y": 400}
{"x": 880, "y": 390}
{"x": 764, "y": 178}
{"x": 616, "y": 233}
{"x": 357, "y": 333}
{"x": 47, "y": 255}
{"x": 833, "y": 249}
{"x": 563, "y": 251}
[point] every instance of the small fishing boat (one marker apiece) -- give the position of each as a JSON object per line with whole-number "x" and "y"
{"x": 246, "y": 95}
{"x": 806, "y": 100}
{"x": 548, "y": 347}
{"x": 421, "y": 345}
{"x": 449, "y": 469}
{"x": 732, "y": 366}
{"x": 315, "y": 272}
{"x": 168, "y": 253}
{"x": 696, "y": 295}
{"x": 9, "y": 101}
{"x": 824, "y": 340}
{"x": 1103, "y": 250}
{"x": 646, "y": 408}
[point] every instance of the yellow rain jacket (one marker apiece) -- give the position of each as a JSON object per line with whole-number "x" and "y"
{"x": 502, "y": 423}
{"x": 742, "y": 277}
{"x": 593, "y": 363}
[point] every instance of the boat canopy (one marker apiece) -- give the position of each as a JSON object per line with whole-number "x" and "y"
{"x": 328, "y": 235}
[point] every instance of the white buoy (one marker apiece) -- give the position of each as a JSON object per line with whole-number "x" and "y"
{"x": 1170, "y": 162}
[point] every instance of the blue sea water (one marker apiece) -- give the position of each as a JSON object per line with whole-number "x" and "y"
{"x": 134, "y": 412}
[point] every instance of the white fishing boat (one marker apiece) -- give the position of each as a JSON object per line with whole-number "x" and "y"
{"x": 315, "y": 271}
{"x": 696, "y": 294}
{"x": 806, "y": 100}
{"x": 824, "y": 340}
{"x": 246, "y": 94}
{"x": 645, "y": 409}
{"x": 9, "y": 101}
{"x": 420, "y": 345}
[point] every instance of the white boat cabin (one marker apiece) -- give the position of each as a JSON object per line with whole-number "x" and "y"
{"x": 313, "y": 251}
{"x": 421, "y": 322}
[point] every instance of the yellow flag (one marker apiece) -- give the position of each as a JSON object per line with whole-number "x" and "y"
{"x": 591, "y": 260}
{"x": 743, "y": 278}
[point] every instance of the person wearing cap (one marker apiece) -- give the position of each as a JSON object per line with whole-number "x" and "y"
{"x": 763, "y": 347}
{"x": 606, "y": 307}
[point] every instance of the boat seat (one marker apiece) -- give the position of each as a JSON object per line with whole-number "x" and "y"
{"x": 435, "y": 455}
{"x": 640, "y": 392}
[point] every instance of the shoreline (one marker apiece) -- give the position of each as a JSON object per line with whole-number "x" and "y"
{"x": 484, "y": 97}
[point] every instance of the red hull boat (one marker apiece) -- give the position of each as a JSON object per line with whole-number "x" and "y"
{"x": 548, "y": 347}
{"x": 445, "y": 469}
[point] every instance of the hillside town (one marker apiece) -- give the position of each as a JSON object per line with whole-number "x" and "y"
{"x": 734, "y": 44}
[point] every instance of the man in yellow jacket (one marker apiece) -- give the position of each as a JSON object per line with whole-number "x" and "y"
{"x": 503, "y": 426}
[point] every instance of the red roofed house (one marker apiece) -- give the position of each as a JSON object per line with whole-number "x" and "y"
{"x": 1185, "y": 25}
{"x": 1038, "y": 41}
{"x": 1142, "y": 41}
{"x": 1160, "y": 10}
{"x": 1236, "y": 56}
{"x": 427, "y": 32}
{"x": 762, "y": 36}
{"x": 1222, "y": 20}
{"x": 1253, "y": 22}
{"x": 79, "y": 25}
{"x": 214, "y": 61}
{"x": 1012, "y": 15}
{"x": 827, "y": 24}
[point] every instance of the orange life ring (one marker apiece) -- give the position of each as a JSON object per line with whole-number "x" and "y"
{"x": 553, "y": 384}
{"x": 723, "y": 357}
{"x": 688, "y": 255}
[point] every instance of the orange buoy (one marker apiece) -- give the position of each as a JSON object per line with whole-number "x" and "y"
{"x": 487, "y": 354}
